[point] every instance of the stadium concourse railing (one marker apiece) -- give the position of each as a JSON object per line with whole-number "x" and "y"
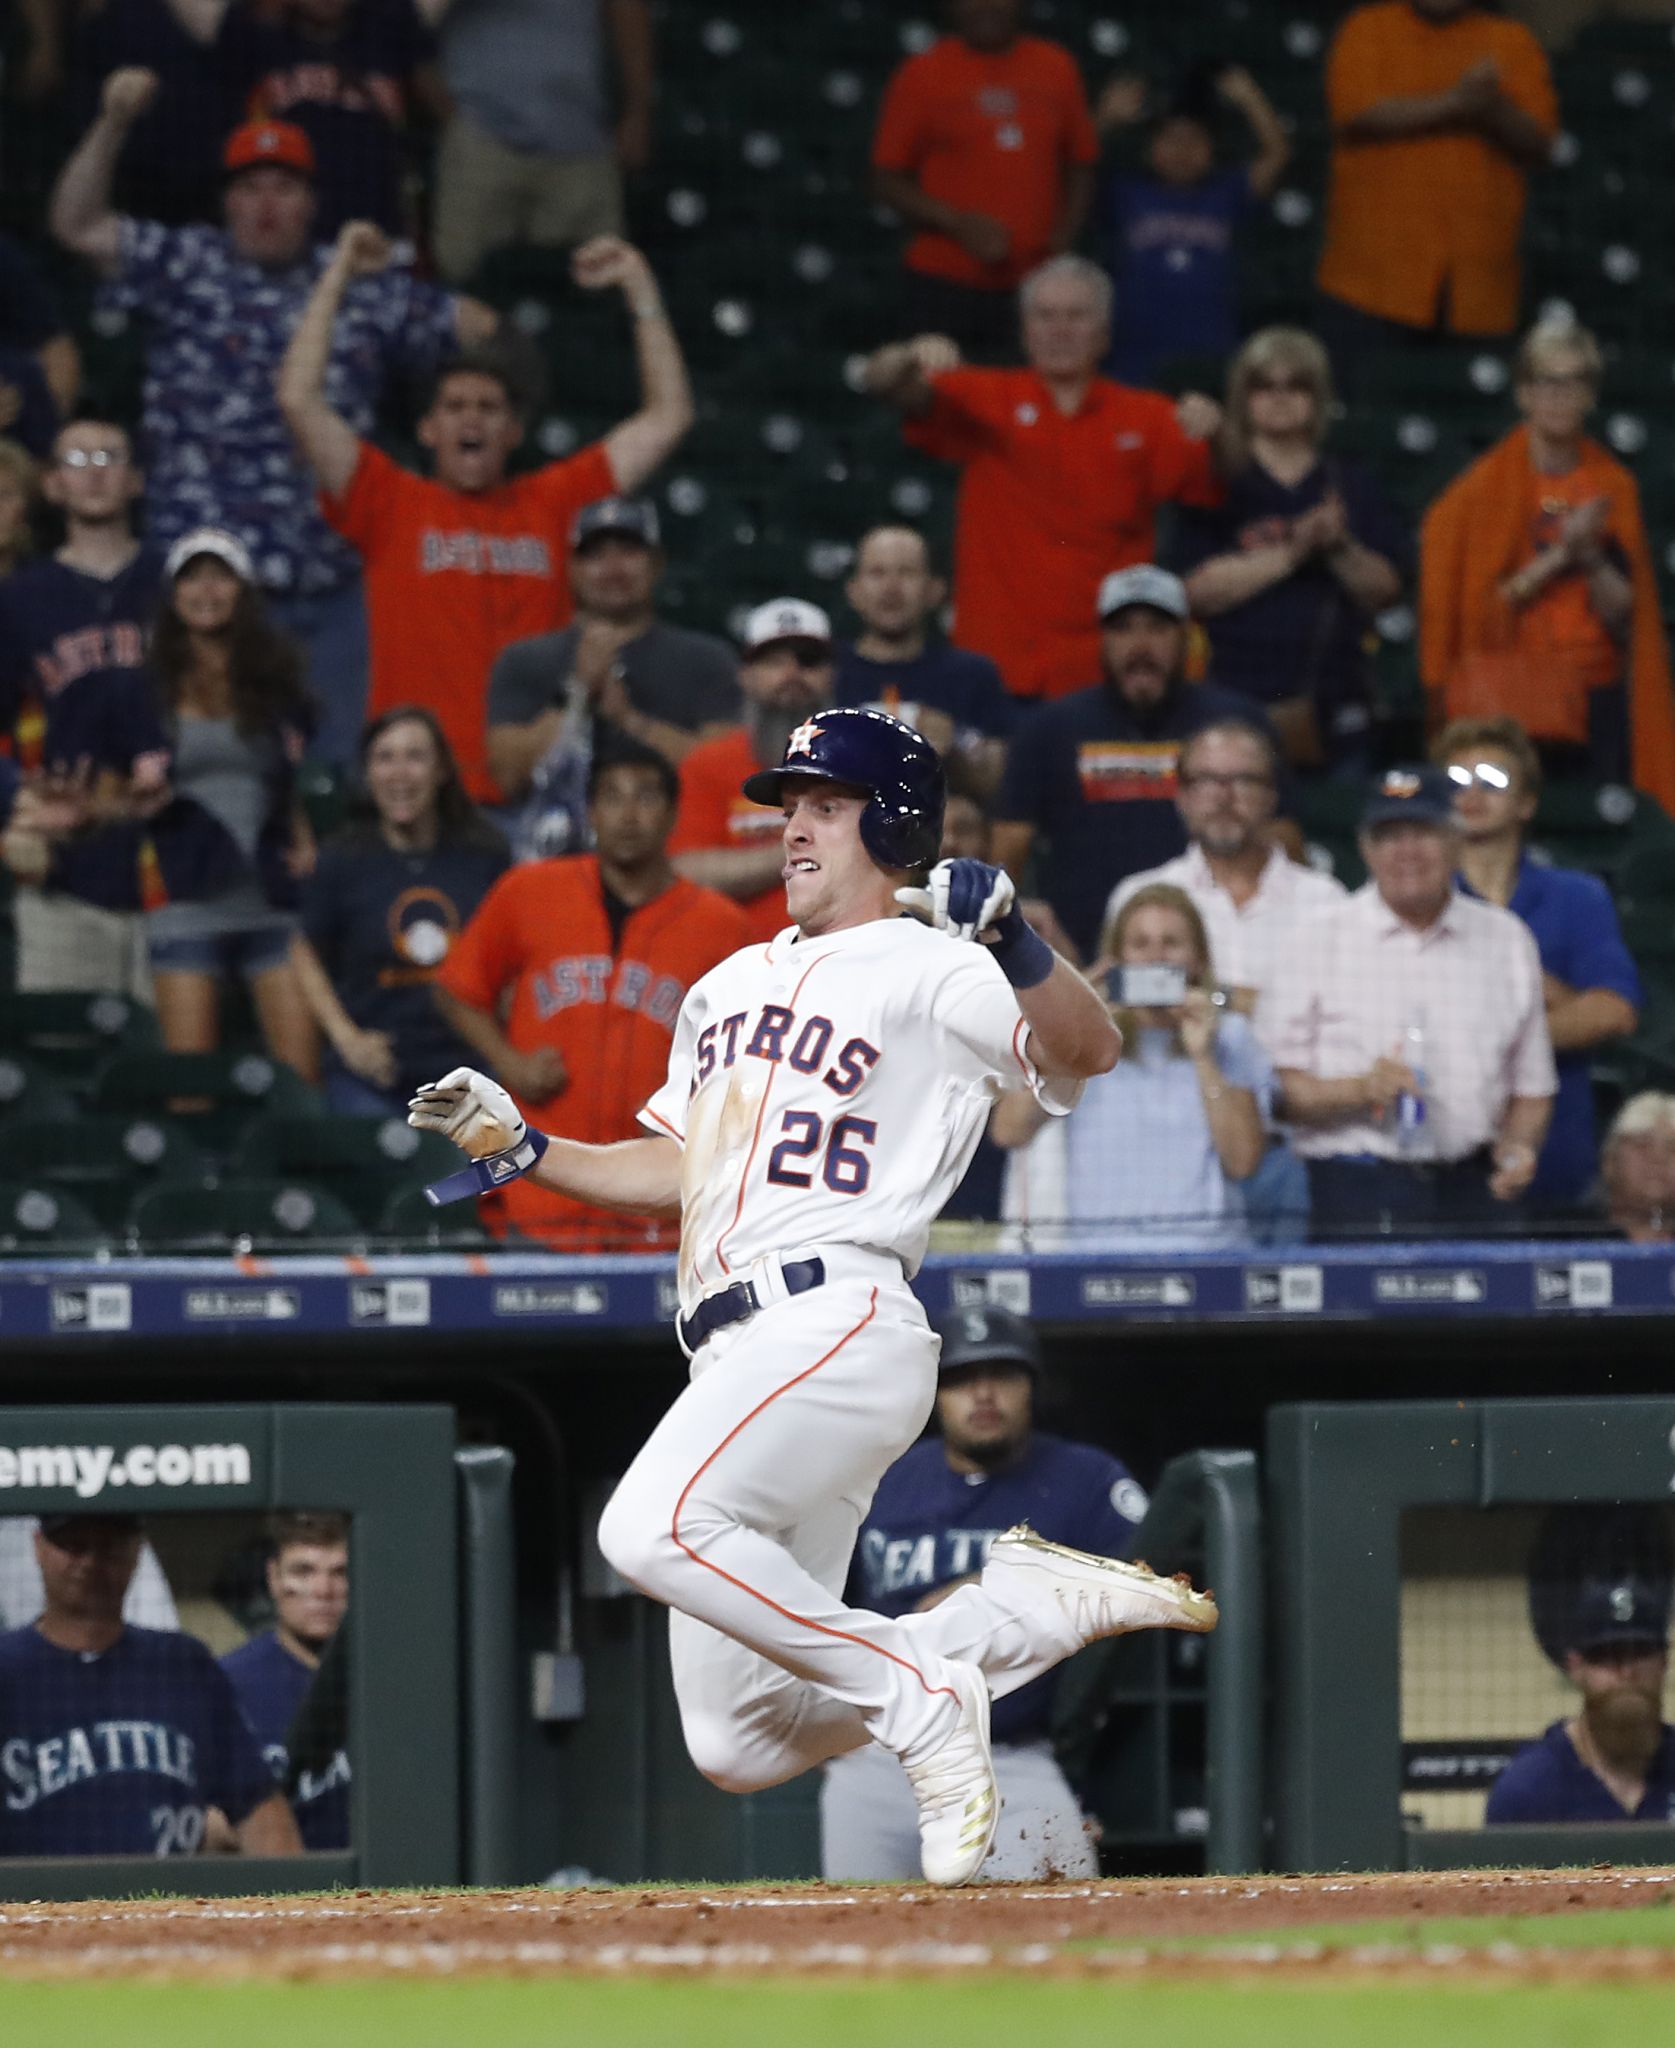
{"x": 433, "y": 1685}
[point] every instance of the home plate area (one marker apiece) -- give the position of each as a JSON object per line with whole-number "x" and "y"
{"x": 1166, "y": 1927}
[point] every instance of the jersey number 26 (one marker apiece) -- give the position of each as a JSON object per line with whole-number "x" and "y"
{"x": 845, "y": 1169}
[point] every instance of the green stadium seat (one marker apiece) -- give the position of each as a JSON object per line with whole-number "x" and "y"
{"x": 269, "y": 1214}
{"x": 217, "y": 1094}
{"x": 73, "y": 1035}
{"x": 102, "y": 1162}
{"x": 28, "y": 1090}
{"x": 414, "y": 1221}
{"x": 364, "y": 1161}
{"x": 38, "y": 1218}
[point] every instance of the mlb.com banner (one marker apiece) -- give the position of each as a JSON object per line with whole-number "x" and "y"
{"x": 131, "y": 1459}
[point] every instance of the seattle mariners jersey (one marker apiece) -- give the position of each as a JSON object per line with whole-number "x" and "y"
{"x": 119, "y": 1754}
{"x": 271, "y": 1685}
{"x": 1548, "y": 1782}
{"x": 930, "y": 1525}
{"x": 832, "y": 1091}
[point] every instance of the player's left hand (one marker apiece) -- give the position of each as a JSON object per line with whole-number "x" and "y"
{"x": 965, "y": 898}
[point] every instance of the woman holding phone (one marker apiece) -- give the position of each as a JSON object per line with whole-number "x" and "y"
{"x": 1157, "y": 1148}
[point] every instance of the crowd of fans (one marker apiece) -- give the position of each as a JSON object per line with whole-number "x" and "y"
{"x": 1153, "y": 639}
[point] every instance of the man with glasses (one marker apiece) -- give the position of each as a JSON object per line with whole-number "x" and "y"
{"x": 721, "y": 839}
{"x": 1251, "y": 895}
{"x": 75, "y": 698}
{"x": 1095, "y": 775}
{"x": 1591, "y": 988}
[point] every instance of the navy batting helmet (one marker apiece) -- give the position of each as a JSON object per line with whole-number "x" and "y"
{"x": 901, "y": 826}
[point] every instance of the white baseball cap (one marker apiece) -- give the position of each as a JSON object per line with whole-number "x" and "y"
{"x": 785, "y": 618}
{"x": 1145, "y": 583}
{"x": 210, "y": 540}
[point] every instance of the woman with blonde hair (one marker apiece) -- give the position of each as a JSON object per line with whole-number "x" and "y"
{"x": 1288, "y": 571}
{"x": 1157, "y": 1149}
{"x": 1538, "y": 596}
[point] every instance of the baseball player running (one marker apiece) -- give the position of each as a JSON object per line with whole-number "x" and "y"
{"x": 825, "y": 1093}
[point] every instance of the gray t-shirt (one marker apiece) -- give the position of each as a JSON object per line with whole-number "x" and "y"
{"x": 672, "y": 674}
{"x": 531, "y": 72}
{"x": 226, "y": 771}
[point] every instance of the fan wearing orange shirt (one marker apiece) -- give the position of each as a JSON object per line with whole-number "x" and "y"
{"x": 460, "y": 564}
{"x": 568, "y": 980}
{"x": 986, "y": 148}
{"x": 1062, "y": 474}
{"x": 1440, "y": 109}
{"x": 721, "y": 838}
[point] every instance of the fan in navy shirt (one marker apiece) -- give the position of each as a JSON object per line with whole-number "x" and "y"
{"x": 116, "y": 1741}
{"x": 928, "y": 1531}
{"x": 386, "y": 901}
{"x": 1602, "y": 1582}
{"x": 75, "y": 696}
{"x": 1593, "y": 989}
{"x": 1169, "y": 234}
{"x": 344, "y": 72}
{"x": 1095, "y": 773}
{"x": 897, "y": 664}
{"x": 308, "y": 1581}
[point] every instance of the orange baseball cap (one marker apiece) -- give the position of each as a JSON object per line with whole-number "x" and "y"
{"x": 269, "y": 142}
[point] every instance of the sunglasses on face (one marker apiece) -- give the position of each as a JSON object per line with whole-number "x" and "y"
{"x": 1482, "y": 774}
{"x": 805, "y": 653}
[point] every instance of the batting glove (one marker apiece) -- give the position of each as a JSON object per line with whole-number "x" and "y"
{"x": 482, "y": 1120}
{"x": 968, "y": 899}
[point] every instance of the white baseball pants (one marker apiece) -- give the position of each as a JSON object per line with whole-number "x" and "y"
{"x": 869, "y": 1822}
{"x": 741, "y": 1514}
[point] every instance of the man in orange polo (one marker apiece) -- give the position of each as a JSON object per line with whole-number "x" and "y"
{"x": 1440, "y": 109}
{"x": 721, "y": 838}
{"x": 587, "y": 959}
{"x": 460, "y": 564}
{"x": 1062, "y": 474}
{"x": 985, "y": 147}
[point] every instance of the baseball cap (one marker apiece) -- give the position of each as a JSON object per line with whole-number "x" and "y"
{"x": 985, "y": 1335}
{"x": 634, "y": 517}
{"x": 1145, "y": 583}
{"x": 1611, "y": 1610}
{"x": 1422, "y": 796}
{"x": 269, "y": 142}
{"x": 55, "y": 1527}
{"x": 785, "y": 618}
{"x": 210, "y": 540}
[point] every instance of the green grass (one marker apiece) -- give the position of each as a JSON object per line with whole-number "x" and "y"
{"x": 969, "y": 2013}
{"x": 1628, "y": 1927}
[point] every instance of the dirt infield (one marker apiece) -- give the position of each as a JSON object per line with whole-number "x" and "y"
{"x": 1098, "y": 1928}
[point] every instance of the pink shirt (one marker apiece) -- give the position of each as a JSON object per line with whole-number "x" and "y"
{"x": 1253, "y": 943}
{"x": 1360, "y": 976}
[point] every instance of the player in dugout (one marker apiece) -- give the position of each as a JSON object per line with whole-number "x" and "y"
{"x": 115, "y": 1740}
{"x": 825, "y": 1093}
{"x": 308, "y": 1583}
{"x": 936, "y": 1514}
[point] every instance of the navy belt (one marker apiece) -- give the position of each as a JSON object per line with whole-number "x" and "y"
{"x": 734, "y": 1304}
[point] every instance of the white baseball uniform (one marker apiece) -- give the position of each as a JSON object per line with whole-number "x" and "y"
{"x": 827, "y": 1094}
